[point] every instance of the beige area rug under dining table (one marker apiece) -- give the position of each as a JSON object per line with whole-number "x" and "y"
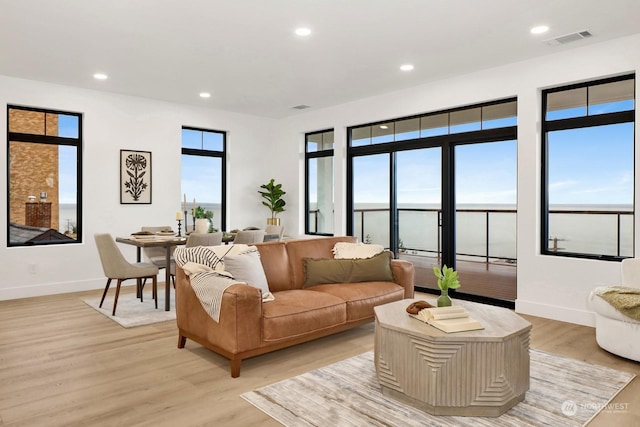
{"x": 563, "y": 392}
{"x": 131, "y": 312}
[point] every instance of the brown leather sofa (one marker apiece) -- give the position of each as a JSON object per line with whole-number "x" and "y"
{"x": 248, "y": 327}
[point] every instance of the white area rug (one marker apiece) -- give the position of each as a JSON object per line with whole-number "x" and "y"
{"x": 131, "y": 312}
{"x": 563, "y": 392}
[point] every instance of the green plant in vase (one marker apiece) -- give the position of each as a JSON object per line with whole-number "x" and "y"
{"x": 201, "y": 213}
{"x": 447, "y": 279}
{"x": 272, "y": 194}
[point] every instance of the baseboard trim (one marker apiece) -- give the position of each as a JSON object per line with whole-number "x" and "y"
{"x": 554, "y": 312}
{"x": 38, "y": 290}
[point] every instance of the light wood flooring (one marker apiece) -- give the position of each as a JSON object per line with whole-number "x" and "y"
{"x": 64, "y": 364}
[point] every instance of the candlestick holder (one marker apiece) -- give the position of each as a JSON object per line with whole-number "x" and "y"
{"x": 186, "y": 224}
{"x": 193, "y": 216}
{"x": 179, "y": 228}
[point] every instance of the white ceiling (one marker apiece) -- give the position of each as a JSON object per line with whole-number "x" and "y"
{"x": 245, "y": 53}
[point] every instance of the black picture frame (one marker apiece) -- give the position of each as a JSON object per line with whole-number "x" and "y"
{"x": 135, "y": 177}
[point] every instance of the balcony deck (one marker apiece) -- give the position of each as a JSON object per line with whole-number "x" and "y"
{"x": 493, "y": 279}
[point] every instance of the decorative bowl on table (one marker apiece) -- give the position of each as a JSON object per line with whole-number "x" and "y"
{"x": 166, "y": 233}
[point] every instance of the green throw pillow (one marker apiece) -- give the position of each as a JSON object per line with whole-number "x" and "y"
{"x": 328, "y": 270}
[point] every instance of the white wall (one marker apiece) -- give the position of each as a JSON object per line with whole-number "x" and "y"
{"x": 548, "y": 286}
{"x": 110, "y": 123}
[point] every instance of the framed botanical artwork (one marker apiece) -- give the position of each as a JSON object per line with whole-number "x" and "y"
{"x": 135, "y": 177}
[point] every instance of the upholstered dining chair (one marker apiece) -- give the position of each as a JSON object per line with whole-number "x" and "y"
{"x": 115, "y": 266}
{"x": 204, "y": 239}
{"x": 157, "y": 256}
{"x": 249, "y": 236}
{"x": 273, "y": 232}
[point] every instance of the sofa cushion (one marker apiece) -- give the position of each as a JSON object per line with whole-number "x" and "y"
{"x": 275, "y": 262}
{"x": 299, "y": 312}
{"x": 362, "y": 297}
{"x": 298, "y": 250}
{"x": 246, "y": 267}
{"x": 346, "y": 250}
{"x": 327, "y": 270}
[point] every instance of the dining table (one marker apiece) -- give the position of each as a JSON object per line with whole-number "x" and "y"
{"x": 167, "y": 242}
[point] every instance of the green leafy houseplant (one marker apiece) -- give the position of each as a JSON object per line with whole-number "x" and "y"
{"x": 201, "y": 213}
{"x": 447, "y": 279}
{"x": 272, "y": 194}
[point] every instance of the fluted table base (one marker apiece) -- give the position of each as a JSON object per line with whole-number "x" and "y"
{"x": 474, "y": 373}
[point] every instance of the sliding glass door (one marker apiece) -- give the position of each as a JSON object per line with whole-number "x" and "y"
{"x": 441, "y": 189}
{"x": 485, "y": 206}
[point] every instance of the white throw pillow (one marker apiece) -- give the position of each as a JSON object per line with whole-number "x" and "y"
{"x": 246, "y": 267}
{"x": 345, "y": 250}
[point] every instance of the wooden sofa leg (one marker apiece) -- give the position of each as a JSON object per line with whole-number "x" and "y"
{"x": 235, "y": 368}
{"x": 182, "y": 340}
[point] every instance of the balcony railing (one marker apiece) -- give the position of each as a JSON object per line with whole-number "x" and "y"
{"x": 432, "y": 218}
{"x": 490, "y": 234}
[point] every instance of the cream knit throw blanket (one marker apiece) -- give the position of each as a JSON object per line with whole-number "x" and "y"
{"x": 625, "y": 300}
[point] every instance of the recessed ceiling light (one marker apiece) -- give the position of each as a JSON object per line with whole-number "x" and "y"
{"x": 384, "y": 127}
{"x": 205, "y": 95}
{"x": 100, "y": 76}
{"x": 406, "y": 67}
{"x": 303, "y": 31}
{"x": 540, "y": 29}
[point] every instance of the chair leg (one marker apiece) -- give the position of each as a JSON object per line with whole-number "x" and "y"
{"x": 104, "y": 294}
{"x": 155, "y": 290}
{"x": 115, "y": 301}
{"x": 140, "y": 285}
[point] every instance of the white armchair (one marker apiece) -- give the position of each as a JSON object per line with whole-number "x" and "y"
{"x": 616, "y": 332}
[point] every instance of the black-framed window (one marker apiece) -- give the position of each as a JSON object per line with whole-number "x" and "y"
{"x": 319, "y": 200}
{"x": 204, "y": 174}
{"x": 588, "y": 173}
{"x": 44, "y": 176}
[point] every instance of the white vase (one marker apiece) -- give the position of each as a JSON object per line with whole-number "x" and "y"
{"x": 202, "y": 225}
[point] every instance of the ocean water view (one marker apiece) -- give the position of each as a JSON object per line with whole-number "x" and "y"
{"x": 600, "y": 228}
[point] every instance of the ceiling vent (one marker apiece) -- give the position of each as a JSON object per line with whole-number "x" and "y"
{"x": 568, "y": 38}
{"x": 301, "y": 107}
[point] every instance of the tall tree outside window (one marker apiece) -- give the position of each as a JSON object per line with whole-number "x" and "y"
{"x": 588, "y": 176}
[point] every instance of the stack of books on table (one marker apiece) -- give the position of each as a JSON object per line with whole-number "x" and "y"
{"x": 448, "y": 319}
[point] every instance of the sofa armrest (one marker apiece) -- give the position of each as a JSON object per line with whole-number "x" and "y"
{"x": 240, "y": 325}
{"x": 404, "y": 275}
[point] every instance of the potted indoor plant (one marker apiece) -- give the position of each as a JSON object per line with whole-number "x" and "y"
{"x": 447, "y": 279}
{"x": 204, "y": 220}
{"x": 272, "y": 194}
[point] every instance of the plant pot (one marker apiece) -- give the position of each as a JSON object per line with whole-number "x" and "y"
{"x": 443, "y": 299}
{"x": 273, "y": 221}
{"x": 202, "y": 225}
